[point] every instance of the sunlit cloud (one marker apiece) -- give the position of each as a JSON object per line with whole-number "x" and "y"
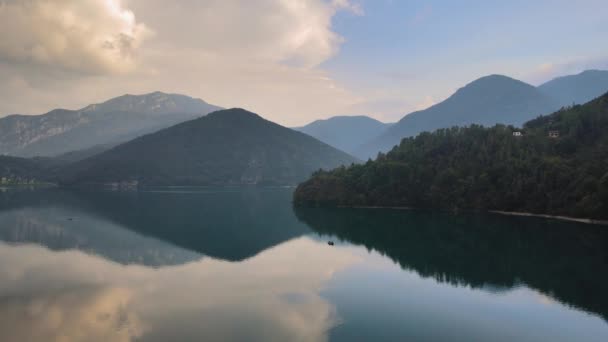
{"x": 90, "y": 36}
{"x": 262, "y": 55}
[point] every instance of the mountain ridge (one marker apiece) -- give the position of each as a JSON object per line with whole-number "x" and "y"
{"x": 577, "y": 89}
{"x": 486, "y": 101}
{"x": 231, "y": 146}
{"x": 344, "y": 132}
{"x": 61, "y": 130}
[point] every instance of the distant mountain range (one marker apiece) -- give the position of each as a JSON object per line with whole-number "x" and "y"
{"x": 485, "y": 101}
{"x": 225, "y": 147}
{"x": 345, "y": 132}
{"x": 577, "y": 89}
{"x": 117, "y": 120}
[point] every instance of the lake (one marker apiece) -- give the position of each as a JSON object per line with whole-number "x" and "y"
{"x": 241, "y": 264}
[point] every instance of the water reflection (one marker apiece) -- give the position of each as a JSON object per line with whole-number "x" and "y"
{"x": 562, "y": 260}
{"x": 240, "y": 265}
{"x": 146, "y": 227}
{"x": 75, "y": 296}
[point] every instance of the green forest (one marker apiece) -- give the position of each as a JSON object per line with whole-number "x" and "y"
{"x": 479, "y": 168}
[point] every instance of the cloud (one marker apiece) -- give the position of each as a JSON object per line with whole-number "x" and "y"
{"x": 288, "y": 31}
{"x": 90, "y": 36}
{"x": 261, "y": 55}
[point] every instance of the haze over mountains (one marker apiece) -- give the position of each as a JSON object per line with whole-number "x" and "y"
{"x": 107, "y": 142}
{"x": 491, "y": 100}
{"x": 486, "y": 101}
{"x": 117, "y": 120}
{"x": 345, "y": 132}
{"x": 577, "y": 89}
{"x": 225, "y": 147}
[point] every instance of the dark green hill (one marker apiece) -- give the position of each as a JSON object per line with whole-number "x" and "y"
{"x": 226, "y": 147}
{"x": 345, "y": 132}
{"x": 487, "y": 101}
{"x": 485, "y": 168}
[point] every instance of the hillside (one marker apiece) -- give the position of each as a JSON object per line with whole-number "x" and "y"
{"x": 577, "y": 89}
{"x": 345, "y": 132}
{"x": 226, "y": 147}
{"x": 485, "y": 169}
{"x": 486, "y": 101}
{"x": 114, "y": 121}
{"x": 20, "y": 171}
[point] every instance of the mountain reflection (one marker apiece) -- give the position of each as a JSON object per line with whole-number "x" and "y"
{"x": 152, "y": 228}
{"x": 563, "y": 260}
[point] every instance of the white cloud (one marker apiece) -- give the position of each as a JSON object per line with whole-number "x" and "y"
{"x": 89, "y": 36}
{"x": 297, "y": 32}
{"x": 261, "y": 55}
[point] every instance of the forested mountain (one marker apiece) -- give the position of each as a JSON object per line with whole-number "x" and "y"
{"x": 577, "y": 89}
{"x": 345, "y": 133}
{"x": 114, "y": 121}
{"x": 486, "y": 101}
{"x": 226, "y": 147}
{"x": 485, "y": 169}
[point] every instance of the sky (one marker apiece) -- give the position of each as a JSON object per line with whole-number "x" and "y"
{"x": 291, "y": 61}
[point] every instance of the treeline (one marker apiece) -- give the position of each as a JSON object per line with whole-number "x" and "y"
{"x": 21, "y": 171}
{"x": 477, "y": 168}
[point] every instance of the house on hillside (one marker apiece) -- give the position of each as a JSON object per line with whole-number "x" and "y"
{"x": 517, "y": 134}
{"x": 553, "y": 134}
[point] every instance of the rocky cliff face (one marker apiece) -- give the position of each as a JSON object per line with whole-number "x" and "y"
{"x": 19, "y": 131}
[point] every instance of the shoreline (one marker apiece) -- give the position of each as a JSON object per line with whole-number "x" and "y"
{"x": 555, "y": 217}
{"x": 505, "y": 213}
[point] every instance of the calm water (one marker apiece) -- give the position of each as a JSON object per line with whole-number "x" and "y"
{"x": 241, "y": 265}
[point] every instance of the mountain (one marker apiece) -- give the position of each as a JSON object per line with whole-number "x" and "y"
{"x": 486, "y": 101}
{"x": 477, "y": 168}
{"x": 114, "y": 121}
{"x": 225, "y": 147}
{"x": 345, "y": 133}
{"x": 577, "y": 89}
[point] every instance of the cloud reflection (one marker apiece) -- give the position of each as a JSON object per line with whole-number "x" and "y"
{"x": 73, "y": 296}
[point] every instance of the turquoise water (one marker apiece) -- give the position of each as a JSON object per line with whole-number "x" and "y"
{"x": 240, "y": 264}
